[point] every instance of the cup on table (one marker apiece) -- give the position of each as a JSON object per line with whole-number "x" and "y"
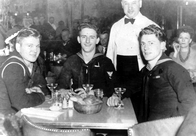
{"x": 99, "y": 93}
{"x": 57, "y": 98}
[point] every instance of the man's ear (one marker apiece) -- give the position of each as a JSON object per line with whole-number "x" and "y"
{"x": 98, "y": 39}
{"x": 140, "y": 3}
{"x": 78, "y": 38}
{"x": 17, "y": 47}
{"x": 163, "y": 46}
{"x": 122, "y": 4}
{"x": 190, "y": 41}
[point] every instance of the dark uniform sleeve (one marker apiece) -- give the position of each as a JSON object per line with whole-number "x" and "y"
{"x": 181, "y": 82}
{"x": 110, "y": 75}
{"x": 16, "y": 84}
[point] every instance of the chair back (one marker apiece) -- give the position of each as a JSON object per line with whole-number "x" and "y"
{"x": 162, "y": 127}
{"x": 31, "y": 129}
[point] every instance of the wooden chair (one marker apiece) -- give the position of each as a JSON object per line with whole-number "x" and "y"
{"x": 31, "y": 129}
{"x": 163, "y": 127}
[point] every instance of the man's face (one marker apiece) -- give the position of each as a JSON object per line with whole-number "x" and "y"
{"x": 65, "y": 36}
{"x": 88, "y": 40}
{"x": 51, "y": 20}
{"x": 151, "y": 47}
{"x": 36, "y": 20}
{"x": 12, "y": 21}
{"x": 42, "y": 19}
{"x": 104, "y": 39}
{"x": 29, "y": 49}
{"x": 184, "y": 39}
{"x": 131, "y": 7}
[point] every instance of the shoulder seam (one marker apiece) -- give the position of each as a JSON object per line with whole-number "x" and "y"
{"x": 10, "y": 64}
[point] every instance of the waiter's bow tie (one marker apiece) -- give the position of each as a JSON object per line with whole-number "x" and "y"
{"x": 129, "y": 20}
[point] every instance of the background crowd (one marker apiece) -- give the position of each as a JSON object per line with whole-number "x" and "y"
{"x": 133, "y": 52}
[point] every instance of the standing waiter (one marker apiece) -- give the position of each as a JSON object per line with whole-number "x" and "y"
{"x": 123, "y": 49}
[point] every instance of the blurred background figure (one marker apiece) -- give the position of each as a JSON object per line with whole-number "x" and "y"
{"x": 36, "y": 24}
{"x": 16, "y": 23}
{"x": 75, "y": 26}
{"x": 46, "y": 30}
{"x": 104, "y": 37}
{"x": 51, "y": 22}
{"x": 86, "y": 19}
{"x": 27, "y": 21}
{"x": 60, "y": 27}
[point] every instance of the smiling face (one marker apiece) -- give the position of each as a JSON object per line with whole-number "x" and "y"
{"x": 131, "y": 7}
{"x": 151, "y": 47}
{"x": 184, "y": 39}
{"x": 88, "y": 40}
{"x": 29, "y": 49}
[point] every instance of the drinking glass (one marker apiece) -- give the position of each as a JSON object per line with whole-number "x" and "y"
{"x": 99, "y": 93}
{"x": 52, "y": 87}
{"x": 87, "y": 87}
{"x": 57, "y": 99}
{"x": 119, "y": 91}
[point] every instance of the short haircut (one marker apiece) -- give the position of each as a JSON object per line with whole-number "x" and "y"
{"x": 51, "y": 17}
{"x": 27, "y": 32}
{"x": 186, "y": 29}
{"x": 88, "y": 25}
{"x": 153, "y": 29}
{"x": 104, "y": 31}
{"x": 65, "y": 30}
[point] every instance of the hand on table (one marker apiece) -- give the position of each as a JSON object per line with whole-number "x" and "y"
{"x": 64, "y": 57}
{"x": 65, "y": 92}
{"x": 34, "y": 89}
{"x": 81, "y": 92}
{"x": 113, "y": 100}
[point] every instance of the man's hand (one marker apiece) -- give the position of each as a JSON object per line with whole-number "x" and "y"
{"x": 113, "y": 100}
{"x": 64, "y": 57}
{"x": 34, "y": 89}
{"x": 65, "y": 93}
{"x": 81, "y": 92}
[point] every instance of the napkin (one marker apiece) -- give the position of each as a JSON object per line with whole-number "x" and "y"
{"x": 40, "y": 113}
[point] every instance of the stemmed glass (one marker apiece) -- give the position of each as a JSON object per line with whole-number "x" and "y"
{"x": 52, "y": 85}
{"x": 87, "y": 87}
{"x": 119, "y": 91}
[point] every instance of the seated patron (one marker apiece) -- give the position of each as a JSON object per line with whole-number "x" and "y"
{"x": 60, "y": 27}
{"x": 185, "y": 52}
{"x": 88, "y": 66}
{"x": 46, "y": 30}
{"x": 61, "y": 45}
{"x": 21, "y": 81}
{"x": 104, "y": 37}
{"x": 167, "y": 90}
{"x": 36, "y": 24}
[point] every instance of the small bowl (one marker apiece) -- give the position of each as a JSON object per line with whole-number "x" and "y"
{"x": 88, "y": 109}
{"x": 55, "y": 108}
